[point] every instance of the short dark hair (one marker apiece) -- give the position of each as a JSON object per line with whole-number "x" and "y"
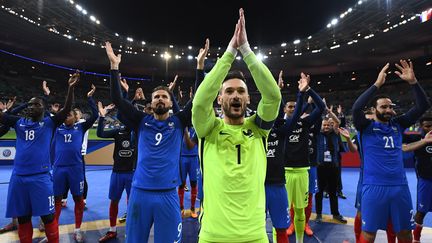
{"x": 373, "y": 102}
{"x": 235, "y": 74}
{"x": 161, "y": 87}
{"x": 425, "y": 118}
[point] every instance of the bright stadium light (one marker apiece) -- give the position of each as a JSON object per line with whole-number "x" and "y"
{"x": 78, "y": 7}
{"x": 84, "y": 12}
{"x": 329, "y": 25}
{"x": 129, "y": 39}
{"x": 334, "y": 21}
{"x": 190, "y": 47}
{"x": 92, "y": 18}
{"x": 143, "y": 42}
{"x": 296, "y": 42}
{"x": 97, "y": 22}
{"x": 190, "y": 57}
{"x": 283, "y": 44}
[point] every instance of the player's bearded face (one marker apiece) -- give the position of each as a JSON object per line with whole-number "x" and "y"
{"x": 426, "y": 126}
{"x": 234, "y": 98}
{"x": 161, "y": 102}
{"x": 384, "y": 110}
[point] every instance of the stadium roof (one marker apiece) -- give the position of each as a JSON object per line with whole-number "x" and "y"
{"x": 319, "y": 37}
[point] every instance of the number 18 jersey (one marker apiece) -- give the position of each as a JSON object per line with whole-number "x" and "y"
{"x": 159, "y": 145}
{"x": 33, "y": 146}
{"x": 382, "y": 154}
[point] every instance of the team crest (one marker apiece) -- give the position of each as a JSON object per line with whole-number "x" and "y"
{"x": 171, "y": 124}
{"x": 41, "y": 123}
{"x": 125, "y": 144}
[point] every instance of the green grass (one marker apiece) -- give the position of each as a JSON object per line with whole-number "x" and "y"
{"x": 92, "y": 135}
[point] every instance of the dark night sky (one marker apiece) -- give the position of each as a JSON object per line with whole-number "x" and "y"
{"x": 189, "y": 22}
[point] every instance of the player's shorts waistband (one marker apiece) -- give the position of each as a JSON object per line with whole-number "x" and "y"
{"x": 297, "y": 169}
{"x": 157, "y": 191}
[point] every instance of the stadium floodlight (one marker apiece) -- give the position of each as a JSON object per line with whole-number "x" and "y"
{"x": 129, "y": 39}
{"x": 166, "y": 56}
{"x": 329, "y": 25}
{"x": 190, "y": 47}
{"x": 334, "y": 21}
{"x": 116, "y": 34}
{"x": 78, "y": 7}
{"x": 238, "y": 58}
{"x": 97, "y": 22}
{"x": 143, "y": 42}
{"x": 283, "y": 44}
{"x": 84, "y": 12}
{"x": 190, "y": 57}
{"x": 350, "y": 10}
{"x": 309, "y": 37}
{"x": 359, "y": 2}
{"x": 171, "y": 46}
{"x": 334, "y": 47}
{"x": 92, "y": 18}
{"x": 296, "y": 42}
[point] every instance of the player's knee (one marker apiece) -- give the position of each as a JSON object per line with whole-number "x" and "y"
{"x": 193, "y": 183}
{"x": 24, "y": 219}
{"x": 47, "y": 219}
{"x": 419, "y": 217}
{"x": 77, "y": 198}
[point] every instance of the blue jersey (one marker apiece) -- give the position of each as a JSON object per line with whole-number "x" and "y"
{"x": 159, "y": 145}
{"x": 67, "y": 145}
{"x": 33, "y": 146}
{"x": 382, "y": 154}
{"x": 189, "y": 152}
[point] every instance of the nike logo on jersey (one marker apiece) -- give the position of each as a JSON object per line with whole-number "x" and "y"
{"x": 22, "y": 125}
{"x": 149, "y": 125}
{"x": 421, "y": 205}
{"x": 376, "y": 129}
{"x": 223, "y": 133}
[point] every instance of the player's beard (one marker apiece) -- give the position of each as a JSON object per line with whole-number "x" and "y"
{"x": 160, "y": 109}
{"x": 385, "y": 117}
{"x": 227, "y": 111}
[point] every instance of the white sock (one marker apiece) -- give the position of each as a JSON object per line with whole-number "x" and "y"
{"x": 113, "y": 229}
{"x": 77, "y": 230}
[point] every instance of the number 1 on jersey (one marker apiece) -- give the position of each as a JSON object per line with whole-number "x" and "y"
{"x": 238, "y": 153}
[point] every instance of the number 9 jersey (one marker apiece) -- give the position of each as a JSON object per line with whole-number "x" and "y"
{"x": 159, "y": 145}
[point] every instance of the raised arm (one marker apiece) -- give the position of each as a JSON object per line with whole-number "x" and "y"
{"x": 418, "y": 144}
{"x": 185, "y": 116}
{"x": 291, "y": 121}
{"x": 60, "y": 116}
{"x": 319, "y": 107}
{"x": 128, "y": 110}
{"x": 203, "y": 116}
{"x": 268, "y": 106}
{"x": 94, "y": 110}
{"x": 359, "y": 118}
{"x": 345, "y": 133}
{"x": 421, "y": 104}
{"x": 100, "y": 128}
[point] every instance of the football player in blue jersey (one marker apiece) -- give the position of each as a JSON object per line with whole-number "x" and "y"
{"x": 68, "y": 163}
{"x": 385, "y": 192}
{"x": 153, "y": 199}
{"x": 30, "y": 191}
